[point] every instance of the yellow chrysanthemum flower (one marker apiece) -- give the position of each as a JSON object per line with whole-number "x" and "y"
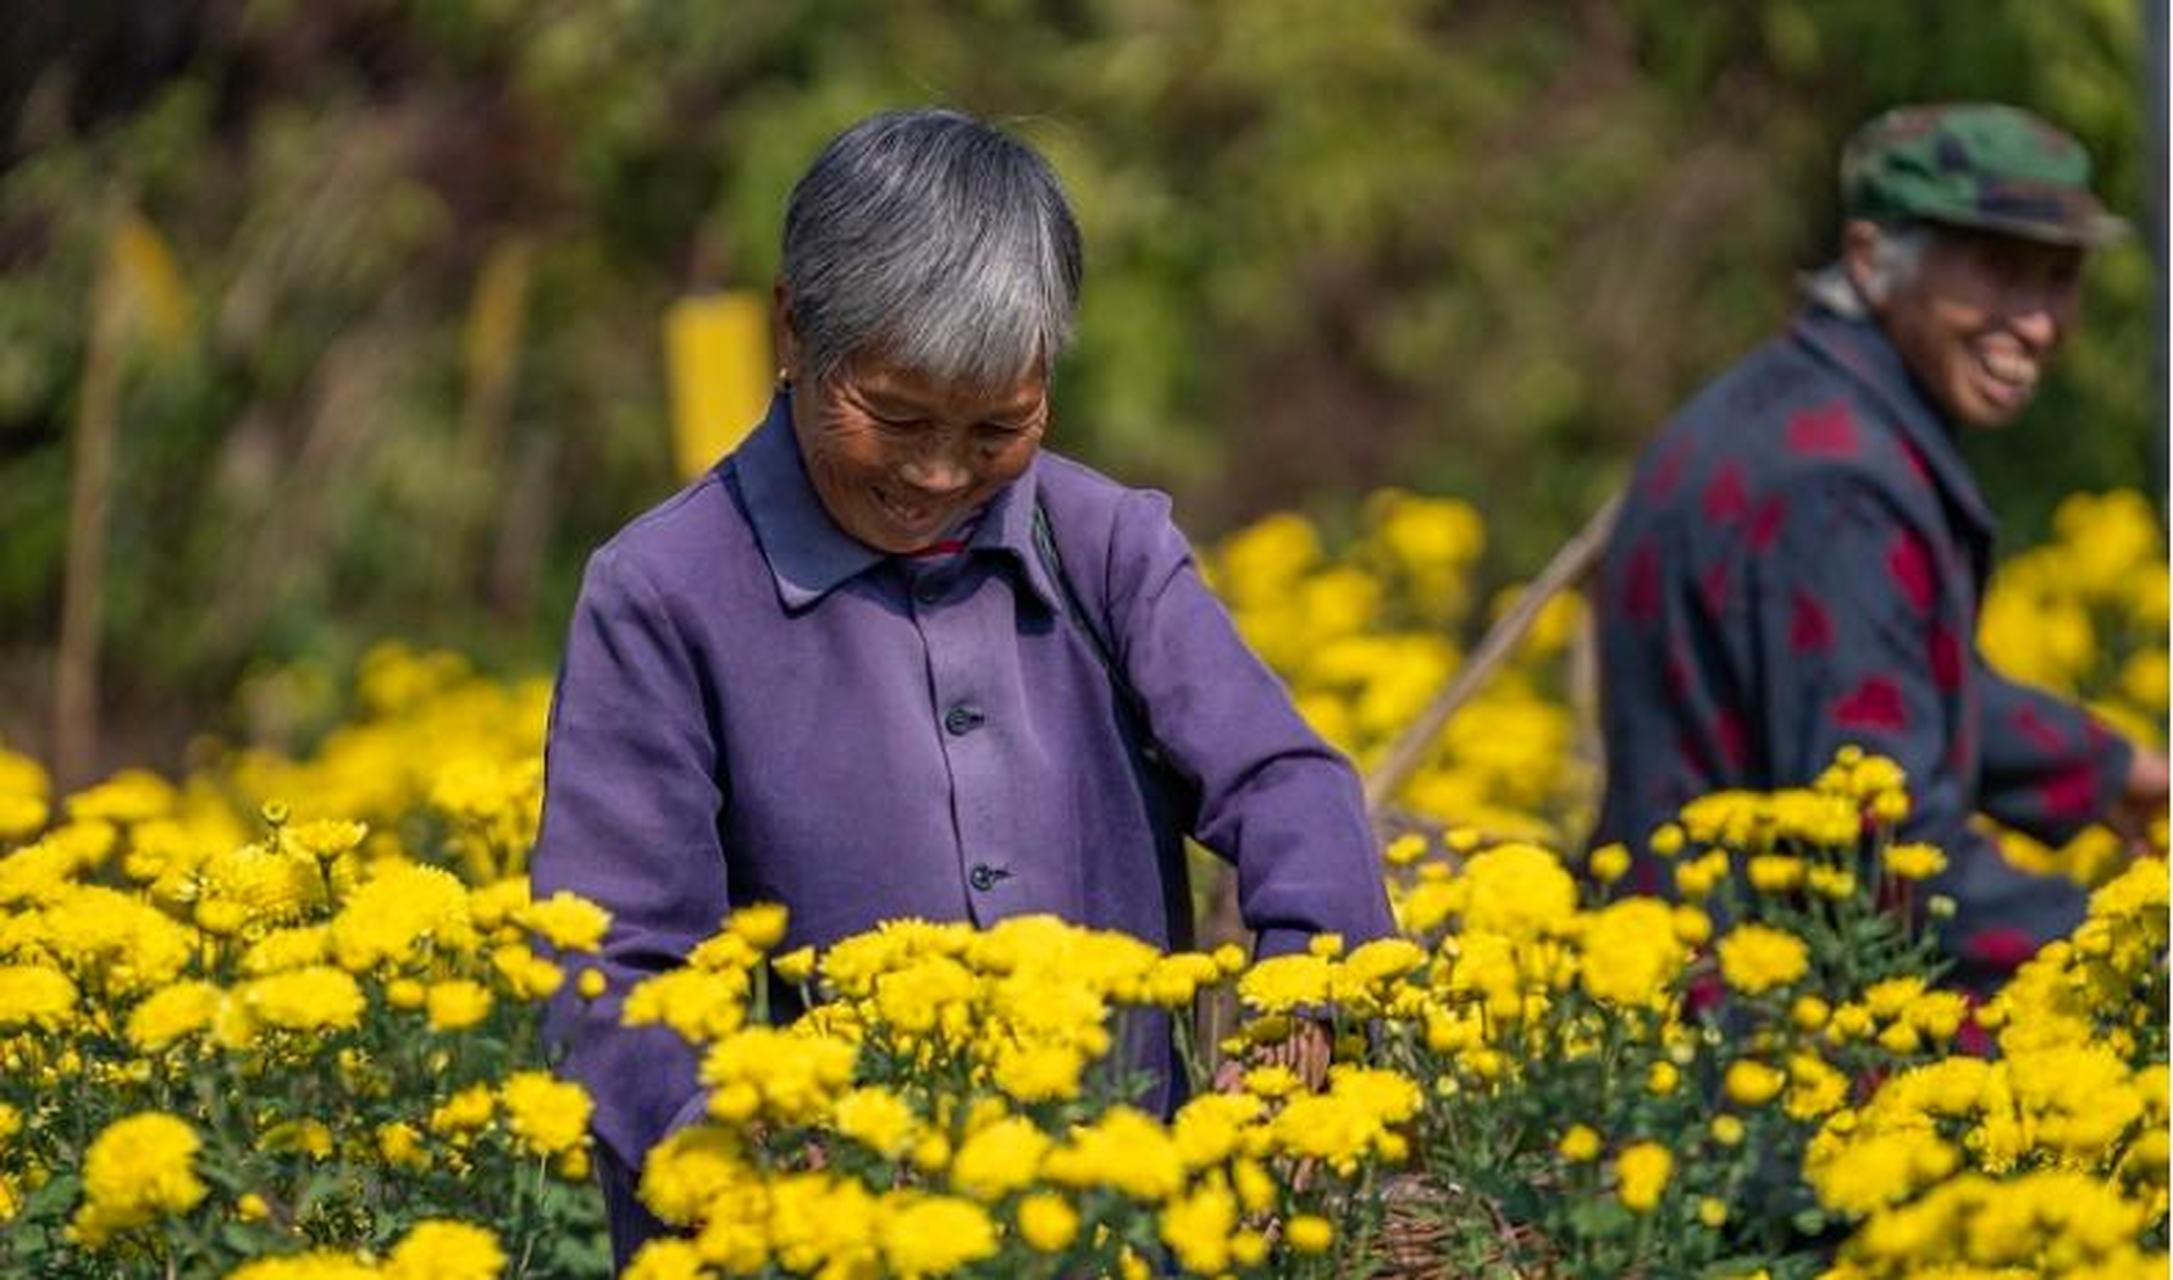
{"x": 135, "y": 1171}
{"x": 546, "y": 1114}
{"x": 1756, "y": 958}
{"x": 456, "y": 1005}
{"x": 929, "y": 1235}
{"x": 1641, "y": 1174}
{"x": 434, "y": 1249}
{"x": 1047, "y": 1222}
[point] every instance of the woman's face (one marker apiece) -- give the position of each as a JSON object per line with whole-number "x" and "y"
{"x": 898, "y": 459}
{"x": 1981, "y": 319}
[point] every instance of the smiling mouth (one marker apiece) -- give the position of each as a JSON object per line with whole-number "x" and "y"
{"x": 2012, "y": 378}
{"x": 908, "y": 515}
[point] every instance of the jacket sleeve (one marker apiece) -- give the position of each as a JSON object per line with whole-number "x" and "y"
{"x": 1275, "y": 800}
{"x": 630, "y": 821}
{"x": 1859, "y": 641}
{"x": 2049, "y": 767}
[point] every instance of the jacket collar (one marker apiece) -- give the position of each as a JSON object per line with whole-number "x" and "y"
{"x": 809, "y": 556}
{"x": 1861, "y": 350}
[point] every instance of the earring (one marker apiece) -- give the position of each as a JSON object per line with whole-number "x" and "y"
{"x": 784, "y": 378}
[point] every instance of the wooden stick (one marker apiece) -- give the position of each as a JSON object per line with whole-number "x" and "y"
{"x": 82, "y": 593}
{"x": 1570, "y": 564}
{"x": 1589, "y": 743}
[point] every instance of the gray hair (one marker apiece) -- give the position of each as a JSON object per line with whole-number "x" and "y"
{"x": 1895, "y": 258}
{"x": 932, "y": 240}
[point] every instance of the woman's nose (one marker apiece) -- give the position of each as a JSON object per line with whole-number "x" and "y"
{"x": 2040, "y": 315}
{"x": 2038, "y": 327}
{"x": 936, "y": 473}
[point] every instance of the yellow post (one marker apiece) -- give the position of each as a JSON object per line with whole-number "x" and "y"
{"x": 717, "y": 353}
{"x": 491, "y": 346}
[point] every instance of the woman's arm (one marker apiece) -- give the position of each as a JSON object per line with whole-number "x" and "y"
{"x": 2049, "y": 767}
{"x": 1275, "y": 800}
{"x": 630, "y": 810}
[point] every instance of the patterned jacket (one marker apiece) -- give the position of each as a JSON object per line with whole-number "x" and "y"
{"x": 1798, "y": 567}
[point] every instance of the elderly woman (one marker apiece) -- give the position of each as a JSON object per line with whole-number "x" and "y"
{"x": 890, "y": 659}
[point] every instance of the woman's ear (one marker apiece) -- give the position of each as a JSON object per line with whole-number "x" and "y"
{"x": 1860, "y": 259}
{"x": 784, "y": 337}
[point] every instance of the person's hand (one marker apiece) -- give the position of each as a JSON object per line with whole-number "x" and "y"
{"x": 2142, "y": 799}
{"x": 1307, "y": 1051}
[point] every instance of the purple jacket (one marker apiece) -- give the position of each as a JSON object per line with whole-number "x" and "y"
{"x": 1798, "y": 566}
{"x": 754, "y": 707}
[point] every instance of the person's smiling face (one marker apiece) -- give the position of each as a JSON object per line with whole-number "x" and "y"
{"x": 899, "y": 459}
{"x": 1980, "y": 320}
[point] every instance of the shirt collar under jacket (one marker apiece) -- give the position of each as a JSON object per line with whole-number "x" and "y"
{"x": 810, "y": 556}
{"x": 1860, "y": 349}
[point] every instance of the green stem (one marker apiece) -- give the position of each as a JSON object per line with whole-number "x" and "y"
{"x": 1185, "y": 1031}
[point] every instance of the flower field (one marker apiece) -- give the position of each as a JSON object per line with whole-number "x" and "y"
{"x": 278, "y": 1018}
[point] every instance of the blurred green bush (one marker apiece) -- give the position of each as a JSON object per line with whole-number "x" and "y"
{"x": 1477, "y": 247}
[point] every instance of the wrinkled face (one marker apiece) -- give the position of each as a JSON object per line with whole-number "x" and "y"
{"x": 898, "y": 459}
{"x": 1980, "y": 319}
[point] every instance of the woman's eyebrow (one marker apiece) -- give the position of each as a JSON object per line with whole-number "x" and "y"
{"x": 1018, "y": 407}
{"x": 885, "y": 404}
{"x": 892, "y": 405}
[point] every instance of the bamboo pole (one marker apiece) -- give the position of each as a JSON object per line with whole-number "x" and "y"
{"x": 1583, "y": 662}
{"x": 82, "y": 598}
{"x": 1570, "y": 564}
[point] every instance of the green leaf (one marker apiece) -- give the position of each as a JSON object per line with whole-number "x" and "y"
{"x": 53, "y": 1199}
{"x": 1599, "y": 1219}
{"x": 247, "y": 1239}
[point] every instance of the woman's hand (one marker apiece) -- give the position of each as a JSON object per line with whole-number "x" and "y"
{"x": 1306, "y": 1052}
{"x": 2141, "y": 800}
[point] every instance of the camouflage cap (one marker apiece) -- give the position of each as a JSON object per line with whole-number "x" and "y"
{"x": 1982, "y": 165}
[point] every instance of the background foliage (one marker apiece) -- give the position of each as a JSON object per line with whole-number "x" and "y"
{"x": 422, "y": 249}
